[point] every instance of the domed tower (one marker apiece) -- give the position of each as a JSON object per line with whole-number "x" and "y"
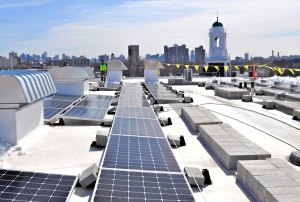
{"x": 218, "y": 55}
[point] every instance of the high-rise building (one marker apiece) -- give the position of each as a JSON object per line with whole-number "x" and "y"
{"x": 176, "y": 54}
{"x": 81, "y": 61}
{"x": 64, "y": 56}
{"x": 199, "y": 55}
{"x": 13, "y": 54}
{"x": 218, "y": 55}
{"x": 152, "y": 57}
{"x": 56, "y": 57}
{"x": 133, "y": 60}
{"x": 246, "y": 58}
{"x": 192, "y": 56}
{"x": 105, "y": 58}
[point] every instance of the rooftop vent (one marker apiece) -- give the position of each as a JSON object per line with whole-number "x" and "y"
{"x": 24, "y": 86}
{"x": 21, "y": 103}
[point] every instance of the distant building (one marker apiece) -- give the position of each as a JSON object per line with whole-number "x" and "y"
{"x": 133, "y": 60}
{"x": 8, "y": 63}
{"x": 218, "y": 55}
{"x": 192, "y": 56}
{"x": 64, "y": 56}
{"x": 44, "y": 56}
{"x": 112, "y": 57}
{"x": 77, "y": 61}
{"x": 13, "y": 54}
{"x": 152, "y": 57}
{"x": 105, "y": 58}
{"x": 162, "y": 58}
{"x": 56, "y": 57}
{"x": 176, "y": 54}
{"x": 246, "y": 57}
{"x": 120, "y": 58}
{"x": 200, "y": 55}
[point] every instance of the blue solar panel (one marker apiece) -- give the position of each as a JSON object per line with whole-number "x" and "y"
{"x": 137, "y": 127}
{"x": 136, "y": 112}
{"x": 139, "y": 153}
{"x": 113, "y": 185}
{"x": 92, "y": 107}
{"x": 86, "y": 113}
{"x": 56, "y": 104}
{"x": 138, "y": 163}
{"x": 31, "y": 186}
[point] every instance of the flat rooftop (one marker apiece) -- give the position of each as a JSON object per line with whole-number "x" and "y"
{"x": 67, "y": 149}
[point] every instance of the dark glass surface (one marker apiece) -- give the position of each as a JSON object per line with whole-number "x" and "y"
{"x": 140, "y": 153}
{"x": 123, "y": 188}
{"x": 31, "y": 186}
{"x": 137, "y": 127}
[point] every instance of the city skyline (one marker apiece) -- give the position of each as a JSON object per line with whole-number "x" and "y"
{"x": 95, "y": 27}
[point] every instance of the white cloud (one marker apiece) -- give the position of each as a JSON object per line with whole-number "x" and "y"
{"x": 253, "y": 26}
{"x": 18, "y": 4}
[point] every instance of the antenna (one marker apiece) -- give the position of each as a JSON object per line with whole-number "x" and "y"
{"x": 217, "y": 16}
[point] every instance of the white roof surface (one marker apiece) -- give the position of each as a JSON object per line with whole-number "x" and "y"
{"x": 66, "y": 149}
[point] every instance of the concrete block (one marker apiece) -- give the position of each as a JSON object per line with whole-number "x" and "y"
{"x": 164, "y": 121}
{"x": 247, "y": 98}
{"x": 269, "y": 104}
{"x": 114, "y": 101}
{"x": 208, "y": 87}
{"x": 108, "y": 120}
{"x": 201, "y": 84}
{"x": 176, "y": 140}
{"x": 296, "y": 114}
{"x": 188, "y": 100}
{"x": 174, "y": 91}
{"x": 88, "y": 176}
{"x": 194, "y": 176}
{"x": 102, "y": 137}
{"x": 180, "y": 94}
{"x": 229, "y": 145}
{"x": 111, "y": 110}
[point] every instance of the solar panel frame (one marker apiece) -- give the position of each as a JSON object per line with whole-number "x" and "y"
{"x": 117, "y": 185}
{"x": 35, "y": 186}
{"x": 139, "y": 153}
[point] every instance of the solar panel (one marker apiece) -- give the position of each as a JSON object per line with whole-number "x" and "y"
{"x": 31, "y": 186}
{"x": 130, "y": 186}
{"x": 136, "y": 112}
{"x": 50, "y": 112}
{"x": 56, "y": 104}
{"x": 65, "y": 97}
{"x": 92, "y": 107}
{"x": 139, "y": 153}
{"x": 98, "y": 97}
{"x": 133, "y": 103}
{"x": 133, "y": 97}
{"x": 86, "y": 113}
{"x": 137, "y": 127}
{"x": 94, "y": 103}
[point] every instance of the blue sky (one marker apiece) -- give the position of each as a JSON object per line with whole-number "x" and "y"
{"x": 94, "y": 27}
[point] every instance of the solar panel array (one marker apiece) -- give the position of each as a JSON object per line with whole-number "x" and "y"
{"x": 92, "y": 107}
{"x": 56, "y": 104}
{"x": 159, "y": 92}
{"x": 31, "y": 186}
{"x": 138, "y": 163}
